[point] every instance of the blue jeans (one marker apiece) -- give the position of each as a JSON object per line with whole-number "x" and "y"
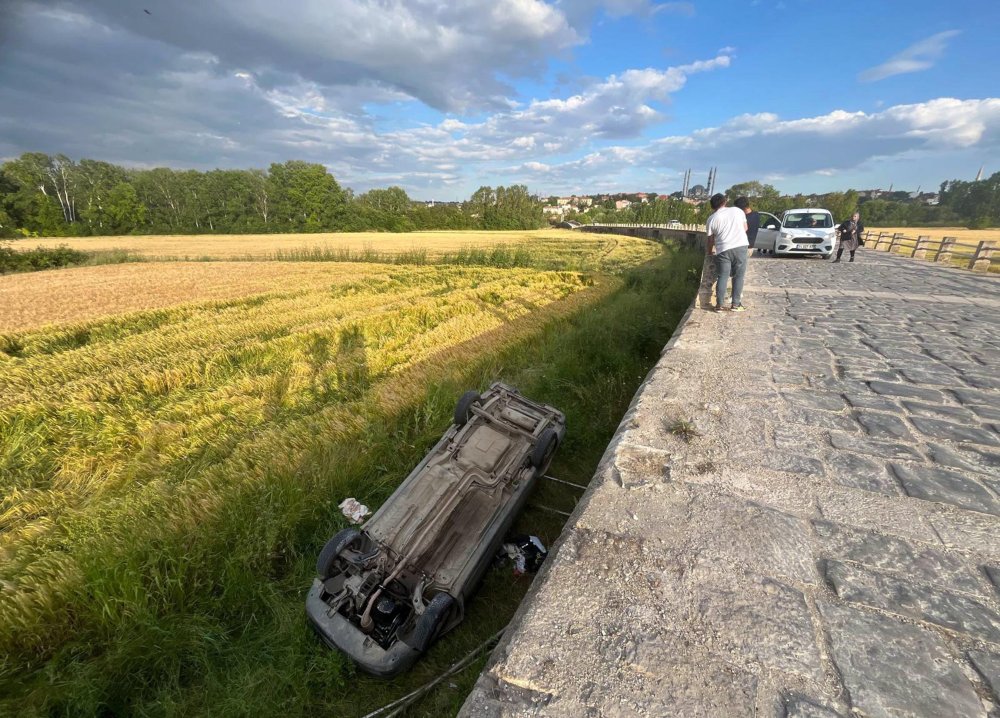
{"x": 731, "y": 262}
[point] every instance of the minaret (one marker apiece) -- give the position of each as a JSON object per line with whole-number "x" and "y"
{"x": 980, "y": 175}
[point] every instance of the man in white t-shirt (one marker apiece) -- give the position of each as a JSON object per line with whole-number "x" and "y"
{"x": 727, "y": 240}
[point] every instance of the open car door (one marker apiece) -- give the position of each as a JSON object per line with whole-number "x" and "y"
{"x": 767, "y": 235}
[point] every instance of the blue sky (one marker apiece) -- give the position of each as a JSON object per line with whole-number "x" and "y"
{"x": 562, "y": 95}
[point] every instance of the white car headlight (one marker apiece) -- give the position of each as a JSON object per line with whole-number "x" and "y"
{"x": 786, "y": 235}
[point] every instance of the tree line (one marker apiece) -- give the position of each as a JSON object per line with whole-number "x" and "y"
{"x": 43, "y": 195}
{"x": 974, "y": 204}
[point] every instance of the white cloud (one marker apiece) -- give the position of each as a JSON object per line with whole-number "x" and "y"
{"x": 765, "y": 146}
{"x": 918, "y": 56}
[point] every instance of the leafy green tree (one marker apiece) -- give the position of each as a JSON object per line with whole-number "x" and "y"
{"x": 306, "y": 197}
{"x": 977, "y": 203}
{"x": 840, "y": 204}
{"x": 124, "y": 212}
{"x": 96, "y": 180}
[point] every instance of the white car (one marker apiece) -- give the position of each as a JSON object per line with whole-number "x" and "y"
{"x": 799, "y": 231}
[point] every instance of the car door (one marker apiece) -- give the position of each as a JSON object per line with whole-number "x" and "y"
{"x": 767, "y": 235}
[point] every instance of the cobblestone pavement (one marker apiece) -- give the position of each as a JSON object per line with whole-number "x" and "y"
{"x": 799, "y": 516}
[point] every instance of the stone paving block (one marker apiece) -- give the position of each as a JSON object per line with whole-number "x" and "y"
{"x": 932, "y": 378}
{"x": 953, "y": 611}
{"x": 940, "y": 429}
{"x": 868, "y": 400}
{"x": 873, "y": 511}
{"x": 884, "y": 426}
{"x": 981, "y": 381}
{"x": 986, "y": 412}
{"x": 968, "y": 530}
{"x": 883, "y": 449}
{"x": 970, "y": 397}
{"x": 931, "y": 483}
{"x": 939, "y": 411}
{"x": 910, "y": 559}
{"x": 815, "y": 400}
{"x": 993, "y": 573}
{"x": 871, "y": 652}
{"x": 821, "y": 419}
{"x": 966, "y": 457}
{"x": 863, "y": 375}
{"x": 908, "y": 391}
{"x": 765, "y": 621}
{"x": 791, "y": 437}
{"x": 786, "y": 461}
{"x": 858, "y": 472}
{"x": 793, "y": 706}
{"x": 988, "y": 666}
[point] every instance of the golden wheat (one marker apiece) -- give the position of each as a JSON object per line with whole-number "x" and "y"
{"x": 262, "y": 245}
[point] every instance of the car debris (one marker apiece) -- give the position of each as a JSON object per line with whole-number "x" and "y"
{"x": 526, "y": 552}
{"x": 354, "y": 510}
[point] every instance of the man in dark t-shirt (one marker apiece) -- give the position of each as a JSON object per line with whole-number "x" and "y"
{"x": 753, "y": 219}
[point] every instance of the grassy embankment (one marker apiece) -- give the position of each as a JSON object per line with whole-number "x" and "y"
{"x": 170, "y": 474}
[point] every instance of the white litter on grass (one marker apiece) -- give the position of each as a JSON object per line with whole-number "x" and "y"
{"x": 354, "y": 510}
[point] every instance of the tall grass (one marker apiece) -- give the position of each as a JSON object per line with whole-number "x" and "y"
{"x": 35, "y": 260}
{"x": 501, "y": 256}
{"x": 175, "y": 585}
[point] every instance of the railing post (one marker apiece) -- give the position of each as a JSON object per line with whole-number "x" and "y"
{"x": 920, "y": 249}
{"x": 981, "y": 261}
{"x": 943, "y": 255}
{"x": 878, "y": 242}
{"x": 895, "y": 240}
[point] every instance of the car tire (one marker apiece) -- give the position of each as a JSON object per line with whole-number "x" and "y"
{"x": 334, "y": 547}
{"x": 464, "y": 406}
{"x": 431, "y": 622}
{"x": 545, "y": 448}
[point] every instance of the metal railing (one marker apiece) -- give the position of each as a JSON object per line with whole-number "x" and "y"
{"x": 975, "y": 256}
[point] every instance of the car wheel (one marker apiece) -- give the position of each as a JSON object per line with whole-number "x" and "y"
{"x": 431, "y": 621}
{"x": 827, "y": 256}
{"x": 334, "y": 547}
{"x": 541, "y": 455}
{"x": 464, "y": 406}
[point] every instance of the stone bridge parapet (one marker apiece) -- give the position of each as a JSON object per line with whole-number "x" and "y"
{"x": 798, "y": 516}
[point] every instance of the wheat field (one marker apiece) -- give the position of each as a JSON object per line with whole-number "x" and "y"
{"x": 264, "y": 246}
{"x": 61, "y": 296}
{"x": 175, "y": 437}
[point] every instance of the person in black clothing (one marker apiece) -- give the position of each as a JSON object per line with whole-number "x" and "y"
{"x": 753, "y": 219}
{"x": 850, "y": 236}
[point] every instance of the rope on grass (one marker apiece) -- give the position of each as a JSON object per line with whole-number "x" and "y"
{"x": 560, "y": 481}
{"x": 549, "y": 508}
{"x": 398, "y": 705}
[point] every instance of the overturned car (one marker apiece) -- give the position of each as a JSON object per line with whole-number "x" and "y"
{"x": 386, "y": 591}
